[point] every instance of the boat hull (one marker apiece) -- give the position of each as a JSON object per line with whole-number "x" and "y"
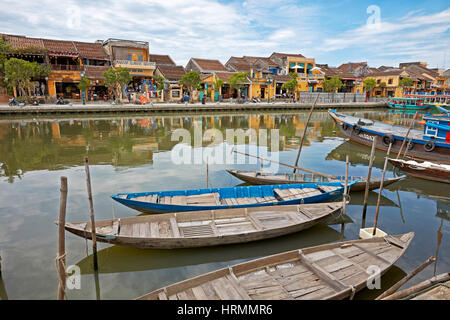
{"x": 421, "y": 172}
{"x": 170, "y": 242}
{"x": 441, "y": 152}
{"x": 357, "y": 187}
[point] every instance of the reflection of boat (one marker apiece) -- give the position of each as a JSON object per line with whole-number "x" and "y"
{"x": 424, "y": 188}
{"x": 330, "y": 271}
{"x": 424, "y": 170}
{"x": 433, "y": 143}
{"x": 234, "y": 197}
{"x": 357, "y": 199}
{"x": 206, "y": 228}
{"x": 436, "y": 288}
{"x": 116, "y": 259}
{"x": 262, "y": 178}
{"x": 443, "y": 209}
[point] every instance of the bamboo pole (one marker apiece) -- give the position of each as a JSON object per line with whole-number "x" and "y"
{"x": 304, "y": 132}
{"x": 207, "y": 174}
{"x": 366, "y": 192}
{"x": 344, "y": 204}
{"x": 398, "y": 285}
{"x": 381, "y": 189}
{"x": 60, "y": 259}
{"x": 407, "y": 134}
{"x": 91, "y": 210}
{"x": 287, "y": 165}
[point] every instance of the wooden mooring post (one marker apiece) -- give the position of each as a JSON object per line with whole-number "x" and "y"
{"x": 366, "y": 192}
{"x": 91, "y": 211}
{"x": 345, "y": 197}
{"x": 61, "y": 258}
{"x": 381, "y": 189}
{"x": 407, "y": 134}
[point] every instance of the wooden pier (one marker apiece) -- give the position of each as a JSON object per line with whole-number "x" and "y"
{"x": 175, "y": 108}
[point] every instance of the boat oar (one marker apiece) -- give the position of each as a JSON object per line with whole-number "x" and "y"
{"x": 304, "y": 132}
{"x": 407, "y": 134}
{"x": 398, "y": 285}
{"x": 287, "y": 165}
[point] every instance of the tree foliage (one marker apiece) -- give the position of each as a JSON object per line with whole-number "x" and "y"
{"x": 117, "y": 80}
{"x": 159, "y": 81}
{"x": 84, "y": 84}
{"x": 218, "y": 84}
{"x": 333, "y": 84}
{"x": 369, "y": 84}
{"x": 237, "y": 80}
{"x": 406, "y": 82}
{"x": 191, "y": 80}
{"x": 19, "y": 73}
{"x": 5, "y": 49}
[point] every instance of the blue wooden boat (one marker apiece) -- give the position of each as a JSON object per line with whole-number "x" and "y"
{"x": 433, "y": 143}
{"x": 443, "y": 110}
{"x": 407, "y": 104}
{"x": 233, "y": 197}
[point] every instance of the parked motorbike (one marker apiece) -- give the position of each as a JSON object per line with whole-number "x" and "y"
{"x": 61, "y": 100}
{"x": 14, "y": 102}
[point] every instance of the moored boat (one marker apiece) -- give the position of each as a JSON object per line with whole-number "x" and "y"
{"x": 424, "y": 170}
{"x": 233, "y": 197}
{"x": 431, "y": 144}
{"x": 330, "y": 271}
{"x": 407, "y": 104}
{"x": 206, "y": 228}
{"x": 264, "y": 178}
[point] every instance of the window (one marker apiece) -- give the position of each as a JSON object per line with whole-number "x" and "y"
{"x": 140, "y": 58}
{"x": 378, "y": 81}
{"x": 129, "y": 57}
{"x": 390, "y": 80}
{"x": 175, "y": 93}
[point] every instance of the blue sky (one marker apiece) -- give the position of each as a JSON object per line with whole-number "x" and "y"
{"x": 333, "y": 32}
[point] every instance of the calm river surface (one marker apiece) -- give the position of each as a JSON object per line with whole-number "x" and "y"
{"x": 132, "y": 153}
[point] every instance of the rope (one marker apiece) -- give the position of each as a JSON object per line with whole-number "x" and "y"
{"x": 59, "y": 262}
{"x": 353, "y": 293}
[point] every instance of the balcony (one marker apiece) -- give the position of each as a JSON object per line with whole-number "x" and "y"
{"x": 66, "y": 67}
{"x": 134, "y": 64}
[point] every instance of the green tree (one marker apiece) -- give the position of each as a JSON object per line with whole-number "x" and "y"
{"x": 84, "y": 84}
{"x": 218, "y": 84}
{"x": 369, "y": 85}
{"x": 382, "y": 86}
{"x": 191, "y": 80}
{"x": 117, "y": 80}
{"x": 159, "y": 80}
{"x": 291, "y": 87}
{"x": 405, "y": 83}
{"x": 19, "y": 74}
{"x": 5, "y": 49}
{"x": 237, "y": 81}
{"x": 333, "y": 84}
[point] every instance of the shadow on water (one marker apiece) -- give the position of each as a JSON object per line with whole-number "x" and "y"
{"x": 116, "y": 259}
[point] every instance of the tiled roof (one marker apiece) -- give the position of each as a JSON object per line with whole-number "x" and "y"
{"x": 204, "y": 76}
{"x": 269, "y": 62}
{"x": 21, "y": 42}
{"x": 91, "y": 50}
{"x": 239, "y": 64}
{"x": 281, "y": 77}
{"x": 161, "y": 59}
{"x": 225, "y": 76}
{"x": 207, "y": 65}
{"x": 390, "y": 72}
{"x": 352, "y": 66}
{"x": 60, "y": 47}
{"x": 285, "y": 55}
{"x": 172, "y": 72}
{"x": 95, "y": 72}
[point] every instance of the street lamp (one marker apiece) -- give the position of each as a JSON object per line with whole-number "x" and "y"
{"x": 269, "y": 82}
{"x": 83, "y": 93}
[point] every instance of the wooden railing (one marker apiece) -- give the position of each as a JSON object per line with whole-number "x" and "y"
{"x": 66, "y": 67}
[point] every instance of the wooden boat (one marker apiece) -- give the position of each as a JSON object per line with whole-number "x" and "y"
{"x": 436, "y": 288}
{"x": 443, "y": 109}
{"x": 424, "y": 170}
{"x": 262, "y": 178}
{"x": 234, "y": 197}
{"x": 407, "y": 103}
{"x": 206, "y": 228}
{"x": 330, "y": 271}
{"x": 431, "y": 144}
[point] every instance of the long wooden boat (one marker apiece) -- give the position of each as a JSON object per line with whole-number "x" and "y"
{"x": 436, "y": 288}
{"x": 431, "y": 144}
{"x": 407, "y": 103}
{"x": 234, "y": 197}
{"x": 330, "y": 271}
{"x": 206, "y": 228}
{"x": 443, "y": 109}
{"x": 424, "y": 170}
{"x": 263, "y": 178}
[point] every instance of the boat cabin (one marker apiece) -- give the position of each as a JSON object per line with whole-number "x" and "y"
{"x": 407, "y": 101}
{"x": 437, "y": 128}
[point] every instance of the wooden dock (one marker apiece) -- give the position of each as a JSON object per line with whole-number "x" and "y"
{"x": 175, "y": 108}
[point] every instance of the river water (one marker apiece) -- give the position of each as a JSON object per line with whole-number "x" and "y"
{"x": 133, "y": 152}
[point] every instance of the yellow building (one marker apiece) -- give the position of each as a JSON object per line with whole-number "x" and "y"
{"x": 388, "y": 82}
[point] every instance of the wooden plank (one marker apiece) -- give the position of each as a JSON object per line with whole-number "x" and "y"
{"x": 322, "y": 274}
{"x": 199, "y": 293}
{"x": 164, "y": 229}
{"x": 235, "y": 283}
{"x": 154, "y": 229}
{"x": 372, "y": 254}
{"x": 174, "y": 228}
{"x": 162, "y": 296}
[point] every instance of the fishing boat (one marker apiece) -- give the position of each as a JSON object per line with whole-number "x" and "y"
{"x": 431, "y": 144}
{"x": 263, "y": 178}
{"x": 432, "y": 100}
{"x": 436, "y": 288}
{"x": 424, "y": 170}
{"x": 206, "y": 228}
{"x": 443, "y": 110}
{"x": 407, "y": 103}
{"x": 330, "y": 271}
{"x": 234, "y": 197}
